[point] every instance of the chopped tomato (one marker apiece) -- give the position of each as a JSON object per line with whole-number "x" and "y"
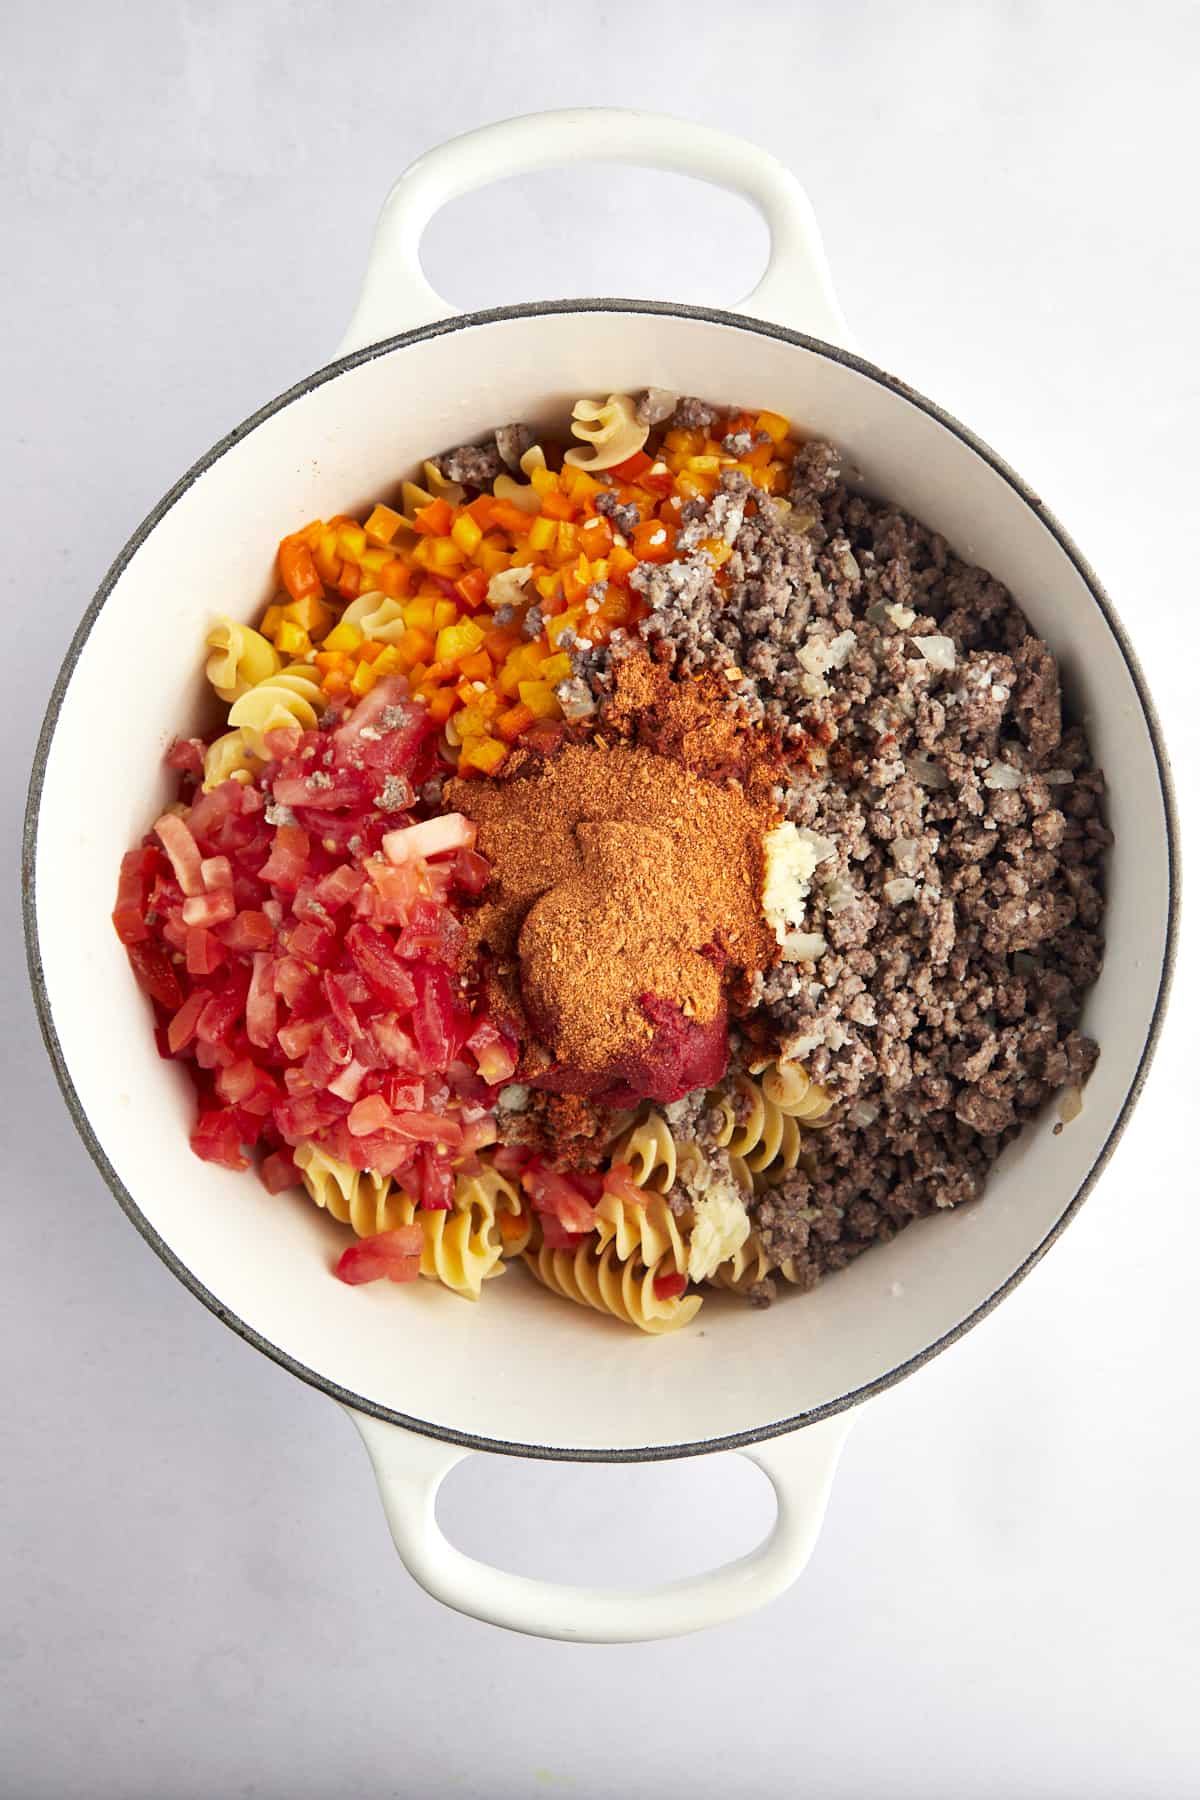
{"x": 390, "y": 1255}
{"x": 669, "y": 1287}
{"x": 155, "y": 974}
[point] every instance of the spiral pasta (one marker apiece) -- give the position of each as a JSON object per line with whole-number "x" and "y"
{"x": 768, "y": 1140}
{"x": 293, "y": 696}
{"x": 437, "y": 487}
{"x": 376, "y": 616}
{"x": 240, "y": 659}
{"x": 789, "y": 1086}
{"x": 367, "y": 1202}
{"x": 651, "y": 1152}
{"x": 229, "y": 758}
{"x": 648, "y": 1232}
{"x": 610, "y": 429}
{"x": 597, "y": 1277}
{"x": 465, "y": 1244}
{"x": 521, "y": 493}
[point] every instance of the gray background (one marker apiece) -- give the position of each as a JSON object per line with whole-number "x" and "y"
{"x": 197, "y": 1591}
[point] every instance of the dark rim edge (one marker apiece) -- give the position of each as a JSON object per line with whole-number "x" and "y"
{"x": 357, "y": 1402}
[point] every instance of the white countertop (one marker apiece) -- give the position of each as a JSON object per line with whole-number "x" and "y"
{"x": 198, "y": 1595}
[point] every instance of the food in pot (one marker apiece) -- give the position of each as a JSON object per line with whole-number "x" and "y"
{"x": 653, "y": 860}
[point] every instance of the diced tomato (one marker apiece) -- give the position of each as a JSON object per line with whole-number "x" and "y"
{"x": 472, "y": 872}
{"x": 285, "y": 867}
{"x": 155, "y": 973}
{"x": 278, "y": 1172}
{"x": 432, "y": 932}
{"x": 261, "y": 1006}
{"x": 371, "y": 1114}
{"x": 210, "y": 909}
{"x": 216, "y": 873}
{"x": 347, "y": 1083}
{"x": 402, "y": 1094}
{"x": 138, "y": 868}
{"x": 186, "y": 755}
{"x": 429, "y": 1128}
{"x": 381, "y": 969}
{"x": 391, "y": 1255}
{"x": 182, "y": 851}
{"x": 312, "y": 943}
{"x": 512, "y": 1160}
{"x": 204, "y": 952}
{"x": 433, "y": 837}
{"x": 619, "y": 1180}
{"x": 556, "y": 1236}
{"x": 217, "y": 1137}
{"x": 248, "y": 931}
{"x": 434, "y": 1017}
{"x": 437, "y": 1179}
{"x": 221, "y": 1013}
{"x": 669, "y": 1287}
{"x": 495, "y": 1055}
{"x": 182, "y": 1028}
{"x": 557, "y": 1194}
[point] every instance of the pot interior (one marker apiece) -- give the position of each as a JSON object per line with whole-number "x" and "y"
{"x": 522, "y": 1367}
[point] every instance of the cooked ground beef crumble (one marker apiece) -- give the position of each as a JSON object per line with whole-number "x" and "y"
{"x": 961, "y": 910}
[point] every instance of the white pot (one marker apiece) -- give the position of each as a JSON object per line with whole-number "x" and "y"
{"x": 428, "y": 1377}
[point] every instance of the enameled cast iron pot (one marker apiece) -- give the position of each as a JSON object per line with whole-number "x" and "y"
{"x": 427, "y": 1378}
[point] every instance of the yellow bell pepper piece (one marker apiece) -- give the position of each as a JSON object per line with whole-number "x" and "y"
{"x": 539, "y": 697}
{"x": 456, "y": 641}
{"x": 292, "y": 640}
{"x": 555, "y": 668}
{"x": 344, "y": 636}
{"x": 466, "y": 534}
{"x": 310, "y": 614}
{"x": 383, "y": 525}
{"x": 542, "y": 534}
{"x": 774, "y": 424}
{"x": 444, "y": 613}
{"x": 272, "y": 620}
{"x": 483, "y": 753}
{"x": 363, "y": 679}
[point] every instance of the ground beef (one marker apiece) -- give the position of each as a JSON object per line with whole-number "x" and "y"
{"x": 567, "y": 1131}
{"x": 691, "y": 414}
{"x": 477, "y": 465}
{"x": 961, "y": 913}
{"x": 625, "y": 517}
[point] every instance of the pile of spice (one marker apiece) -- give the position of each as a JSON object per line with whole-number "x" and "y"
{"x": 625, "y": 907}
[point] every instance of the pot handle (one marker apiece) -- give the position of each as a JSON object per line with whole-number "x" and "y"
{"x": 795, "y": 290}
{"x": 410, "y": 1469}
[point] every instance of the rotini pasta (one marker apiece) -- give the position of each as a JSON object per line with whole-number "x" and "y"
{"x": 522, "y": 493}
{"x": 648, "y": 1232}
{"x": 765, "y": 1140}
{"x": 229, "y": 758}
{"x": 294, "y": 696}
{"x": 465, "y": 1244}
{"x": 597, "y": 1277}
{"x": 376, "y": 616}
{"x": 651, "y": 1152}
{"x": 240, "y": 659}
{"x": 610, "y": 429}
{"x": 788, "y": 1086}
{"x": 367, "y": 1202}
{"x": 437, "y": 487}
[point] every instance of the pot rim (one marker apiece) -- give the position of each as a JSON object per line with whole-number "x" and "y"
{"x": 355, "y": 359}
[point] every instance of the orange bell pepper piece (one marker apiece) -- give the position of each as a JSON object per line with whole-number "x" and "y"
{"x": 512, "y": 723}
{"x": 473, "y": 588}
{"x": 632, "y": 467}
{"x": 654, "y": 541}
{"x": 510, "y": 518}
{"x": 435, "y": 519}
{"x": 297, "y": 570}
